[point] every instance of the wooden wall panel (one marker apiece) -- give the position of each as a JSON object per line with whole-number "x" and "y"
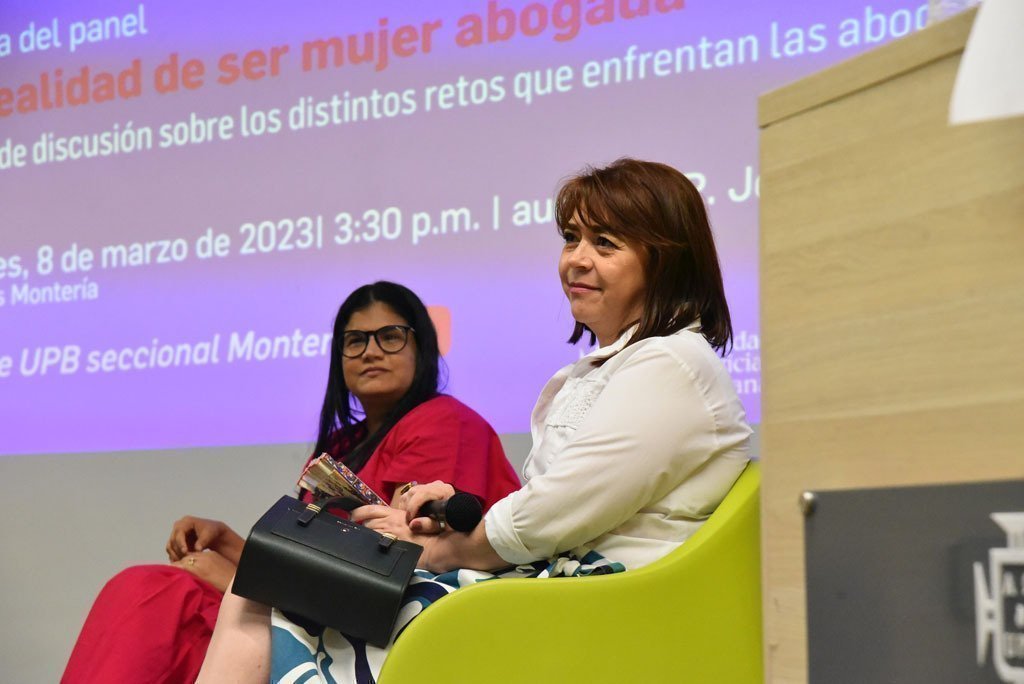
{"x": 892, "y": 266}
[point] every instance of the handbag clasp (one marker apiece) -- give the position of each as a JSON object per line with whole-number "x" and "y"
{"x": 306, "y": 516}
{"x": 386, "y": 540}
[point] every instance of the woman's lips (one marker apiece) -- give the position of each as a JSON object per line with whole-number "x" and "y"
{"x": 581, "y": 288}
{"x": 374, "y": 371}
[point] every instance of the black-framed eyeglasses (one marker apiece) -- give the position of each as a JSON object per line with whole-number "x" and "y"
{"x": 391, "y": 339}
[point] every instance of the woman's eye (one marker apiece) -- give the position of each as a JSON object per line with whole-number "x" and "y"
{"x": 602, "y": 241}
{"x": 568, "y": 237}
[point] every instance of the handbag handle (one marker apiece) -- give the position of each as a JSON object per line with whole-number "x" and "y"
{"x": 347, "y": 503}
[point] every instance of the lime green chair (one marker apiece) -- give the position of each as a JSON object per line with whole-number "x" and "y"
{"x": 693, "y": 616}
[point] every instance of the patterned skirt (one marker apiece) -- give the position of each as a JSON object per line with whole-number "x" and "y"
{"x": 329, "y": 657}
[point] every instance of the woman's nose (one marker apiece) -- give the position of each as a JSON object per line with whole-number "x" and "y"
{"x": 580, "y": 257}
{"x": 373, "y": 349}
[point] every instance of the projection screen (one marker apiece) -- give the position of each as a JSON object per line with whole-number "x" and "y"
{"x": 189, "y": 189}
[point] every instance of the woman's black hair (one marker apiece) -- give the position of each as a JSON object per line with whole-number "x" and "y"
{"x": 337, "y": 411}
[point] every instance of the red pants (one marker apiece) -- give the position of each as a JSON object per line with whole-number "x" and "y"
{"x": 150, "y": 623}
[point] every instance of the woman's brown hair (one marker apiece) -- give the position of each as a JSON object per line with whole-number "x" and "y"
{"x": 656, "y": 208}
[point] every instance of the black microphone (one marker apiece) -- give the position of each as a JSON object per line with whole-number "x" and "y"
{"x": 462, "y": 512}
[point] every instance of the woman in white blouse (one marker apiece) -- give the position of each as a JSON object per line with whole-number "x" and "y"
{"x": 634, "y": 445}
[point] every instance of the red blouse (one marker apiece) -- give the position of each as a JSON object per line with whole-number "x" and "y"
{"x": 441, "y": 439}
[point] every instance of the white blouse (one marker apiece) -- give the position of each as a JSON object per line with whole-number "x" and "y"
{"x": 628, "y": 458}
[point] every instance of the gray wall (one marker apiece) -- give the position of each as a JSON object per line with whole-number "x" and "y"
{"x": 70, "y": 522}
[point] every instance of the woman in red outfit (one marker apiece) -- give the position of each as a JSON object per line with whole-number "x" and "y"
{"x": 153, "y": 623}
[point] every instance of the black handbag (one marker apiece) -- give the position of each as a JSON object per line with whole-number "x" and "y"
{"x": 303, "y": 560}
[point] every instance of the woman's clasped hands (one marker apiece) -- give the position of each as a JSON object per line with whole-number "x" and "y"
{"x": 208, "y": 549}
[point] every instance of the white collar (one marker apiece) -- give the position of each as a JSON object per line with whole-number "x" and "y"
{"x": 620, "y": 343}
{"x": 616, "y": 346}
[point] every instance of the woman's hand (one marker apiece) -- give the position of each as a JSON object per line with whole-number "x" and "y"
{"x": 412, "y": 499}
{"x": 384, "y": 519}
{"x": 192, "y": 534}
{"x": 415, "y": 496}
{"x": 209, "y": 566}
{"x": 451, "y": 550}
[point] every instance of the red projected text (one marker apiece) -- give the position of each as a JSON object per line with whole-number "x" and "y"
{"x": 561, "y": 20}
